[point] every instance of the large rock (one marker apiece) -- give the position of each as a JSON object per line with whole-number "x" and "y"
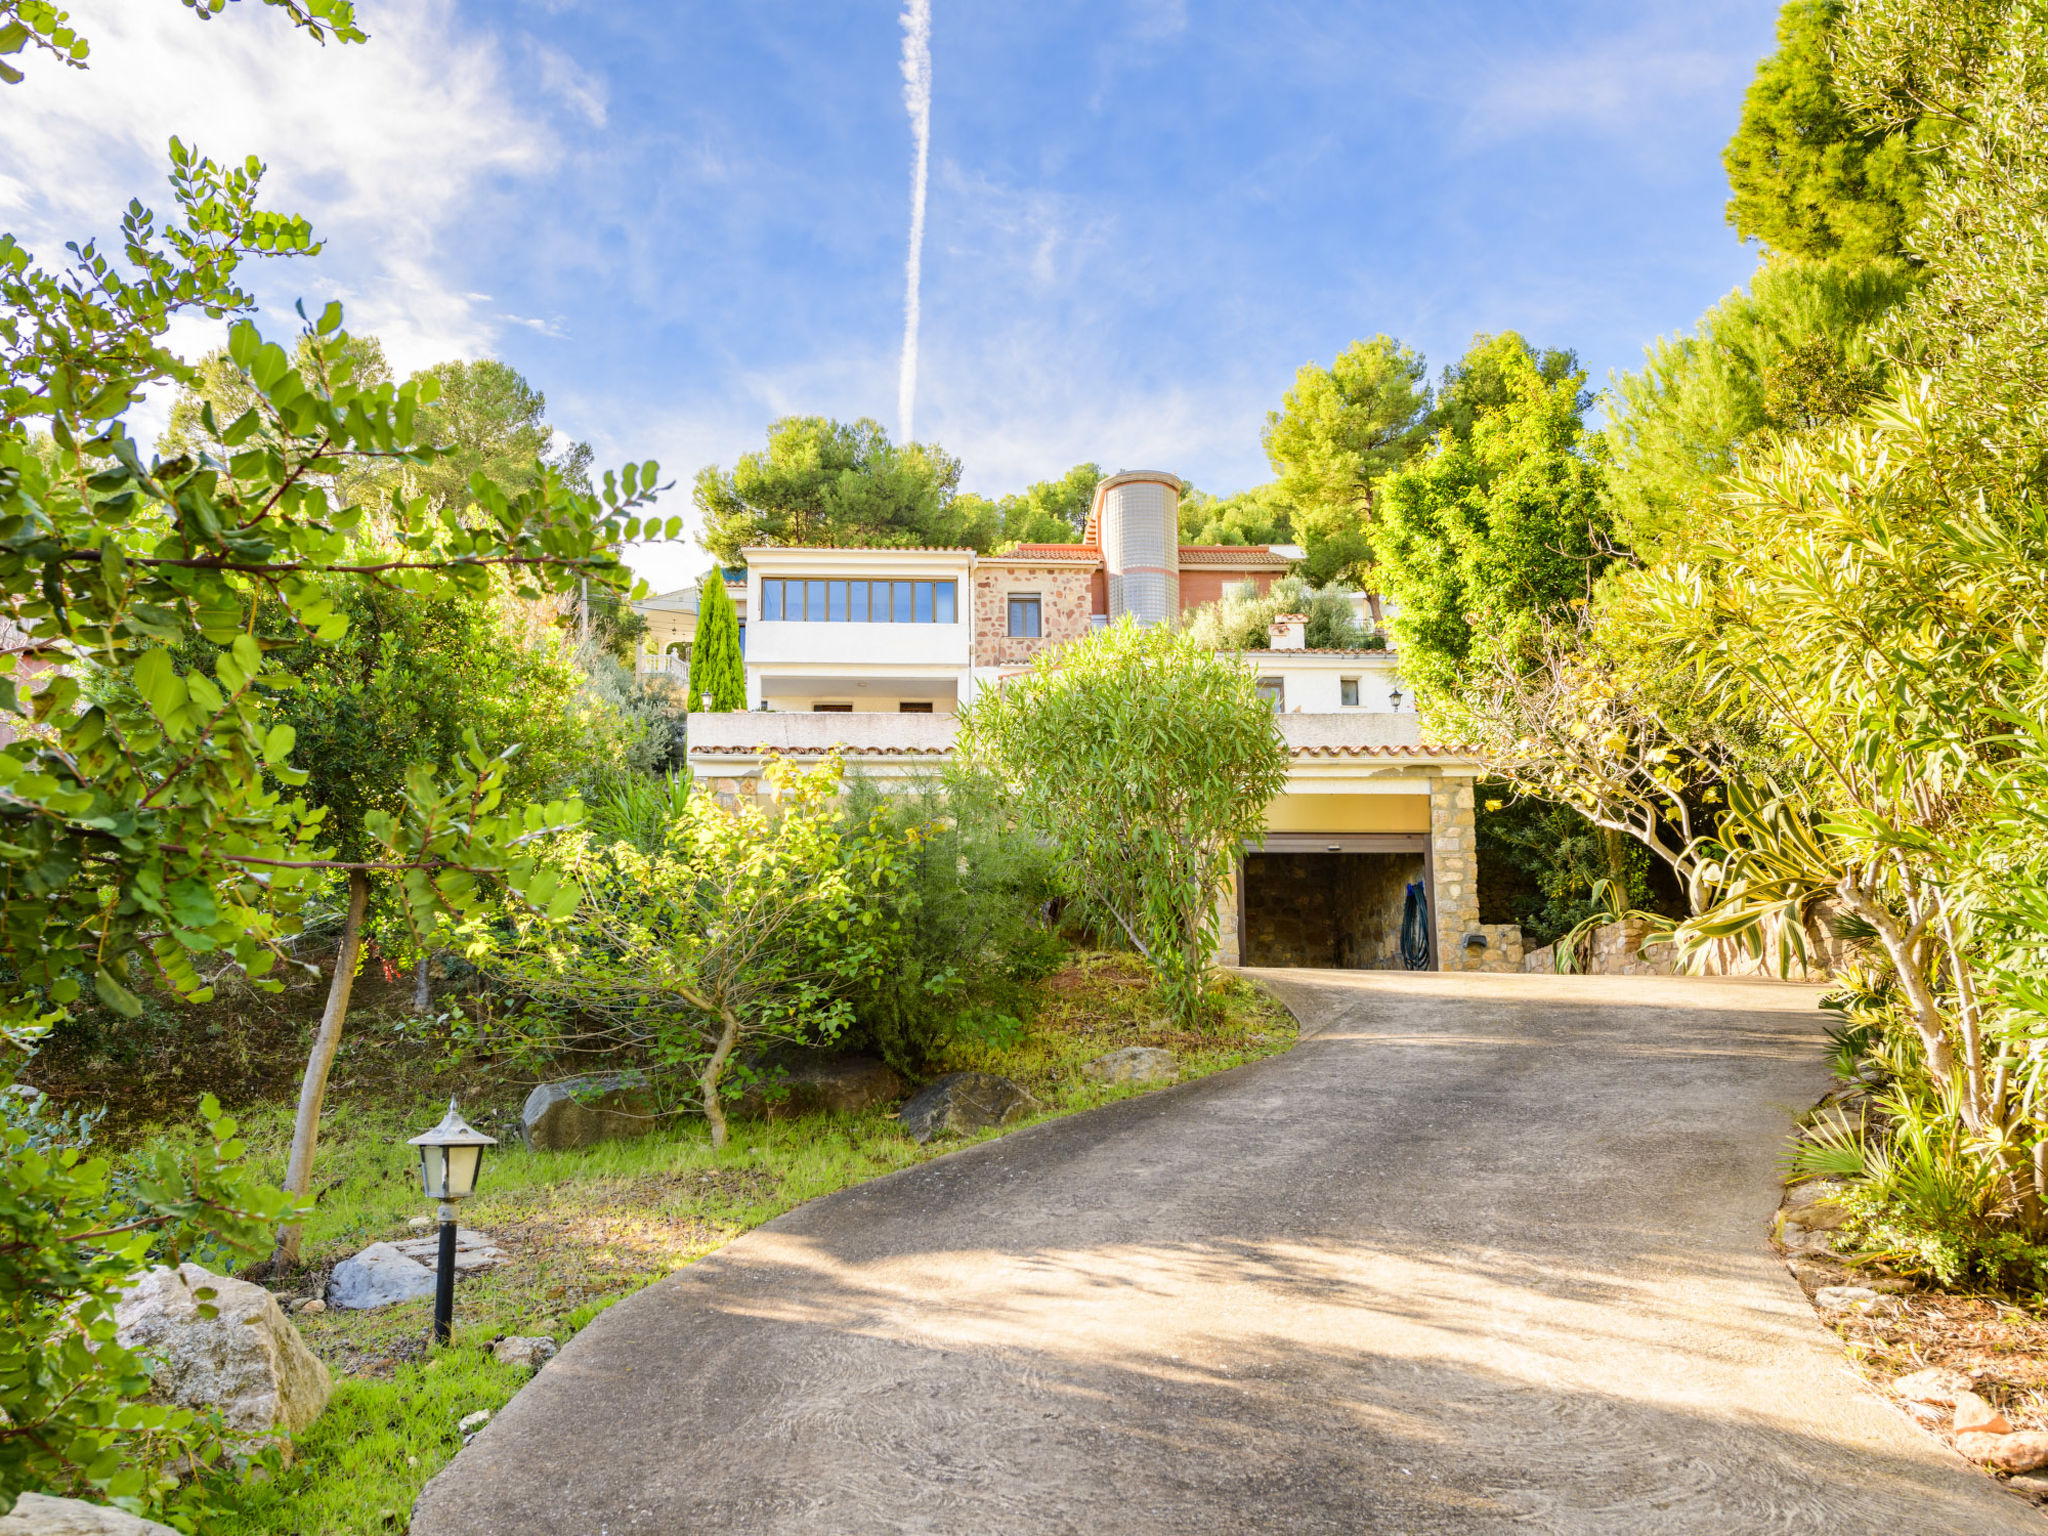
{"x": 582, "y": 1111}
{"x": 474, "y": 1251}
{"x": 530, "y": 1351}
{"x": 961, "y": 1103}
{"x": 1937, "y": 1384}
{"x": 379, "y": 1276}
{"x": 2024, "y": 1452}
{"x": 37, "y": 1514}
{"x": 1134, "y": 1064}
{"x": 813, "y": 1084}
{"x": 247, "y": 1360}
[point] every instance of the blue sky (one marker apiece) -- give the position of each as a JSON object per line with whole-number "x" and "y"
{"x": 682, "y": 220}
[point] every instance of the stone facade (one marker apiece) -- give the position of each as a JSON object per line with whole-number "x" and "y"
{"x": 1063, "y": 606}
{"x": 1454, "y": 850}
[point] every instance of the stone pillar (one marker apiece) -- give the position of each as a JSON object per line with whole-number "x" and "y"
{"x": 1454, "y": 851}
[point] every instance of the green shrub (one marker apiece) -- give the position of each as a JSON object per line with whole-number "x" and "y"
{"x": 970, "y": 934}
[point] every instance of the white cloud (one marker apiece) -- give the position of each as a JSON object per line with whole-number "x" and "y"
{"x": 576, "y": 87}
{"x": 1611, "y": 86}
{"x": 386, "y": 147}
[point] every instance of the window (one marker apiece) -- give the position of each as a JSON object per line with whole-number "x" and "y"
{"x": 1024, "y": 615}
{"x": 831, "y": 709}
{"x": 1275, "y": 689}
{"x": 1348, "y": 691}
{"x": 914, "y": 706}
{"x": 828, "y": 601}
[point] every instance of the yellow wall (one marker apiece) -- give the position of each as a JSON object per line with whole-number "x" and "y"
{"x": 1348, "y": 813}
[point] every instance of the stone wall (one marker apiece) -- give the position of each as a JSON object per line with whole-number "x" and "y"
{"x": 1617, "y": 949}
{"x": 1063, "y": 604}
{"x": 1331, "y": 910}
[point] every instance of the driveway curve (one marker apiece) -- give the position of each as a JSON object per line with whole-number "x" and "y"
{"x": 1481, "y": 1254}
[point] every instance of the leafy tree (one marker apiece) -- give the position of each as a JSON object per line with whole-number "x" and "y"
{"x": 1145, "y": 761}
{"x": 1338, "y": 430}
{"x": 1491, "y": 376}
{"x": 1970, "y": 67}
{"x": 716, "y": 667}
{"x": 825, "y": 482}
{"x": 1488, "y": 534}
{"x": 1047, "y": 512}
{"x": 1810, "y": 177}
{"x": 742, "y": 927}
{"x": 1792, "y": 352}
{"x": 419, "y": 679}
{"x": 1261, "y": 515}
{"x": 488, "y": 420}
{"x": 149, "y": 823}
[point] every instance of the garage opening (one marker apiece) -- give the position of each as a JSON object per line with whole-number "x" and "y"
{"x": 1332, "y": 909}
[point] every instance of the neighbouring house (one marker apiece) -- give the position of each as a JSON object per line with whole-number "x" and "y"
{"x": 902, "y": 637}
{"x": 672, "y": 627}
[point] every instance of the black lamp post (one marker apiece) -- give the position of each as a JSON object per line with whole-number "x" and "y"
{"x": 450, "y": 1156}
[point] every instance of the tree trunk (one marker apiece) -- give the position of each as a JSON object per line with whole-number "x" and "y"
{"x": 714, "y": 1069}
{"x": 423, "y": 983}
{"x": 298, "y": 1177}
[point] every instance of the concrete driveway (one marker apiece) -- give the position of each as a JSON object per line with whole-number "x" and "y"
{"x": 1482, "y": 1253}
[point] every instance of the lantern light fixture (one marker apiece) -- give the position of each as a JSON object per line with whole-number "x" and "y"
{"x": 451, "y": 1156}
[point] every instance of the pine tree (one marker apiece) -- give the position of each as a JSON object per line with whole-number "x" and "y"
{"x": 716, "y": 666}
{"x": 1808, "y": 179}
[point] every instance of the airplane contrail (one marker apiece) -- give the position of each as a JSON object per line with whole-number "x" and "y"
{"x": 917, "y": 99}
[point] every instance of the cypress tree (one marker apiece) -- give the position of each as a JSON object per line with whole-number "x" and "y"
{"x": 716, "y": 666}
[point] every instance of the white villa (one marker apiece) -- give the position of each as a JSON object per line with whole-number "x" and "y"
{"x": 900, "y": 637}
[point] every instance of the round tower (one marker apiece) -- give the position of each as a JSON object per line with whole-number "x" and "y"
{"x": 1137, "y": 518}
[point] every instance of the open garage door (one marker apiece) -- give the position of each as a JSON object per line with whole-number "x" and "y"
{"x": 1333, "y": 902}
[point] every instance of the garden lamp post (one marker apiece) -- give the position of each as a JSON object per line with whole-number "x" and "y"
{"x": 450, "y": 1156}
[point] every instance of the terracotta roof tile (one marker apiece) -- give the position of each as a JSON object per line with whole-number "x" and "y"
{"x": 1364, "y": 751}
{"x": 1231, "y": 554}
{"x": 1322, "y": 751}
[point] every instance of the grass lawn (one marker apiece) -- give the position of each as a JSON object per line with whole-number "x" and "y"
{"x": 584, "y": 1228}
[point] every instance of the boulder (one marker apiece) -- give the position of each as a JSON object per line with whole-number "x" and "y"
{"x": 1134, "y": 1064}
{"x": 582, "y": 1111}
{"x": 379, "y": 1276}
{"x": 1937, "y": 1384}
{"x": 2035, "y": 1488}
{"x": 247, "y": 1360}
{"x": 961, "y": 1103}
{"x": 814, "y": 1084}
{"x": 1837, "y": 1297}
{"x": 37, "y": 1514}
{"x": 474, "y": 1251}
{"x": 530, "y": 1352}
{"x": 2005, "y": 1453}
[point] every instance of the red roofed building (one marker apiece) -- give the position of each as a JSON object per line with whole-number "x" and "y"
{"x": 897, "y": 639}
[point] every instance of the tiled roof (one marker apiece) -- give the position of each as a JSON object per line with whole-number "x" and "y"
{"x": 855, "y": 549}
{"x": 1363, "y": 751}
{"x": 1050, "y": 552}
{"x": 907, "y": 751}
{"x": 1230, "y": 554}
{"x": 1322, "y": 650}
{"x": 842, "y": 747}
